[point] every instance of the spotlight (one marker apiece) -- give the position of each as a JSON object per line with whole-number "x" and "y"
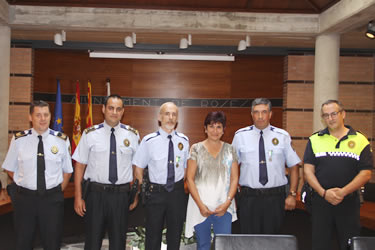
{"x": 243, "y": 44}
{"x": 370, "y": 33}
{"x": 130, "y": 40}
{"x": 59, "y": 38}
{"x": 185, "y": 42}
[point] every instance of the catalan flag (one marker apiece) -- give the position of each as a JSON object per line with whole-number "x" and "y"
{"x": 89, "y": 106}
{"x": 77, "y": 120}
{"x": 58, "y": 120}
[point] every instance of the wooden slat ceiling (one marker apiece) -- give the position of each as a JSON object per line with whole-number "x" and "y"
{"x": 265, "y": 6}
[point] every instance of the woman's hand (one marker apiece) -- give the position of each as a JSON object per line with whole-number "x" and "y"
{"x": 222, "y": 209}
{"x": 205, "y": 212}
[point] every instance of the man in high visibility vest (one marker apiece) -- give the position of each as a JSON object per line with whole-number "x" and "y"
{"x": 337, "y": 162}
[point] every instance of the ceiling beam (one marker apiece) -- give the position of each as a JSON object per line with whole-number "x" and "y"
{"x": 129, "y": 20}
{"x": 346, "y": 15}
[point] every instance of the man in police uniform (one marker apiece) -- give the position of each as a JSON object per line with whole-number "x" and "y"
{"x": 104, "y": 159}
{"x": 165, "y": 152}
{"x": 40, "y": 165}
{"x": 337, "y": 162}
{"x": 263, "y": 151}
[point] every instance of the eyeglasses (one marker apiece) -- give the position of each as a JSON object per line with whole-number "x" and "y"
{"x": 333, "y": 115}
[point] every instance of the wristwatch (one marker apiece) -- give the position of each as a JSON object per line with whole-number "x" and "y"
{"x": 293, "y": 193}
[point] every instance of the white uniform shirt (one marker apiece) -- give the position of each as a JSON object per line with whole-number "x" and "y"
{"x": 93, "y": 151}
{"x": 22, "y": 158}
{"x": 153, "y": 152}
{"x": 278, "y": 149}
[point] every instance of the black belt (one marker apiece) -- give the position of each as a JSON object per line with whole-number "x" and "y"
{"x": 262, "y": 191}
{"x": 122, "y": 188}
{"x": 27, "y": 191}
{"x": 154, "y": 187}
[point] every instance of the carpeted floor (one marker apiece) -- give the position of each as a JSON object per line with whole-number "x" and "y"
{"x": 296, "y": 223}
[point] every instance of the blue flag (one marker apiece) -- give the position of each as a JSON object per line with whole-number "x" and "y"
{"x": 58, "y": 123}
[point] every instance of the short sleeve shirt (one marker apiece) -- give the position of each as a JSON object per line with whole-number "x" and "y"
{"x": 94, "y": 148}
{"x": 279, "y": 153}
{"x": 22, "y": 158}
{"x": 153, "y": 153}
{"x": 336, "y": 161}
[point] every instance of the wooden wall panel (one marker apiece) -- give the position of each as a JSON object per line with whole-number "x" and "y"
{"x": 247, "y": 78}
{"x": 257, "y": 76}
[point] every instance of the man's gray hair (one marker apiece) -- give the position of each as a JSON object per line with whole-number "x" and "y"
{"x": 258, "y": 101}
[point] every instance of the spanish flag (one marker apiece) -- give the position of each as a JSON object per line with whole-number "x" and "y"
{"x": 89, "y": 107}
{"x": 77, "y": 120}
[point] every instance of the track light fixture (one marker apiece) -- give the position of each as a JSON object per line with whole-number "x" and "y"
{"x": 185, "y": 42}
{"x": 370, "y": 33}
{"x": 130, "y": 40}
{"x": 243, "y": 44}
{"x": 59, "y": 38}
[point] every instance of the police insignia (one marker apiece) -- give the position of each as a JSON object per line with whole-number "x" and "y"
{"x": 275, "y": 141}
{"x": 351, "y": 144}
{"x": 180, "y": 146}
{"x": 126, "y": 142}
{"x": 54, "y": 150}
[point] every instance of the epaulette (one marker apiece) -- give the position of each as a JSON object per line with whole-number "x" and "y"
{"x": 152, "y": 135}
{"x": 181, "y": 135}
{"x": 22, "y": 134}
{"x": 279, "y": 130}
{"x": 58, "y": 134}
{"x": 127, "y": 127}
{"x": 93, "y": 128}
{"x": 249, "y": 128}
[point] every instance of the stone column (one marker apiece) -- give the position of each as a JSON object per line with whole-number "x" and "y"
{"x": 4, "y": 88}
{"x": 326, "y": 74}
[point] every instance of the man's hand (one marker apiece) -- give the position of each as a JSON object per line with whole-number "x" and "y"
{"x": 135, "y": 202}
{"x": 334, "y": 196}
{"x": 290, "y": 203}
{"x": 80, "y": 206}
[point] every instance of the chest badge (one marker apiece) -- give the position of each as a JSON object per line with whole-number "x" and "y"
{"x": 126, "y": 143}
{"x": 351, "y": 144}
{"x": 275, "y": 141}
{"x": 180, "y": 146}
{"x": 54, "y": 150}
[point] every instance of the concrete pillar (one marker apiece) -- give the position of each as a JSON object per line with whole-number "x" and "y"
{"x": 326, "y": 75}
{"x": 4, "y": 88}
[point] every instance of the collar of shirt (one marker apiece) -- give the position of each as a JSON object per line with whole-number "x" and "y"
{"x": 326, "y": 131}
{"x": 44, "y": 135}
{"x": 108, "y": 128}
{"x": 265, "y": 130}
{"x": 164, "y": 134}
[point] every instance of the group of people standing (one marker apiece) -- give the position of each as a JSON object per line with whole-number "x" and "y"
{"x": 110, "y": 156}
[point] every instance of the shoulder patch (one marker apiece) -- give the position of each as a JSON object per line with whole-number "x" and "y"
{"x": 181, "y": 135}
{"x": 58, "y": 134}
{"x": 151, "y": 136}
{"x": 127, "y": 127}
{"x": 93, "y": 128}
{"x": 22, "y": 134}
{"x": 249, "y": 128}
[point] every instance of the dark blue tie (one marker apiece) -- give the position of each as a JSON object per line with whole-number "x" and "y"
{"x": 170, "y": 177}
{"x": 41, "y": 167}
{"x": 112, "y": 159}
{"x": 263, "y": 179}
